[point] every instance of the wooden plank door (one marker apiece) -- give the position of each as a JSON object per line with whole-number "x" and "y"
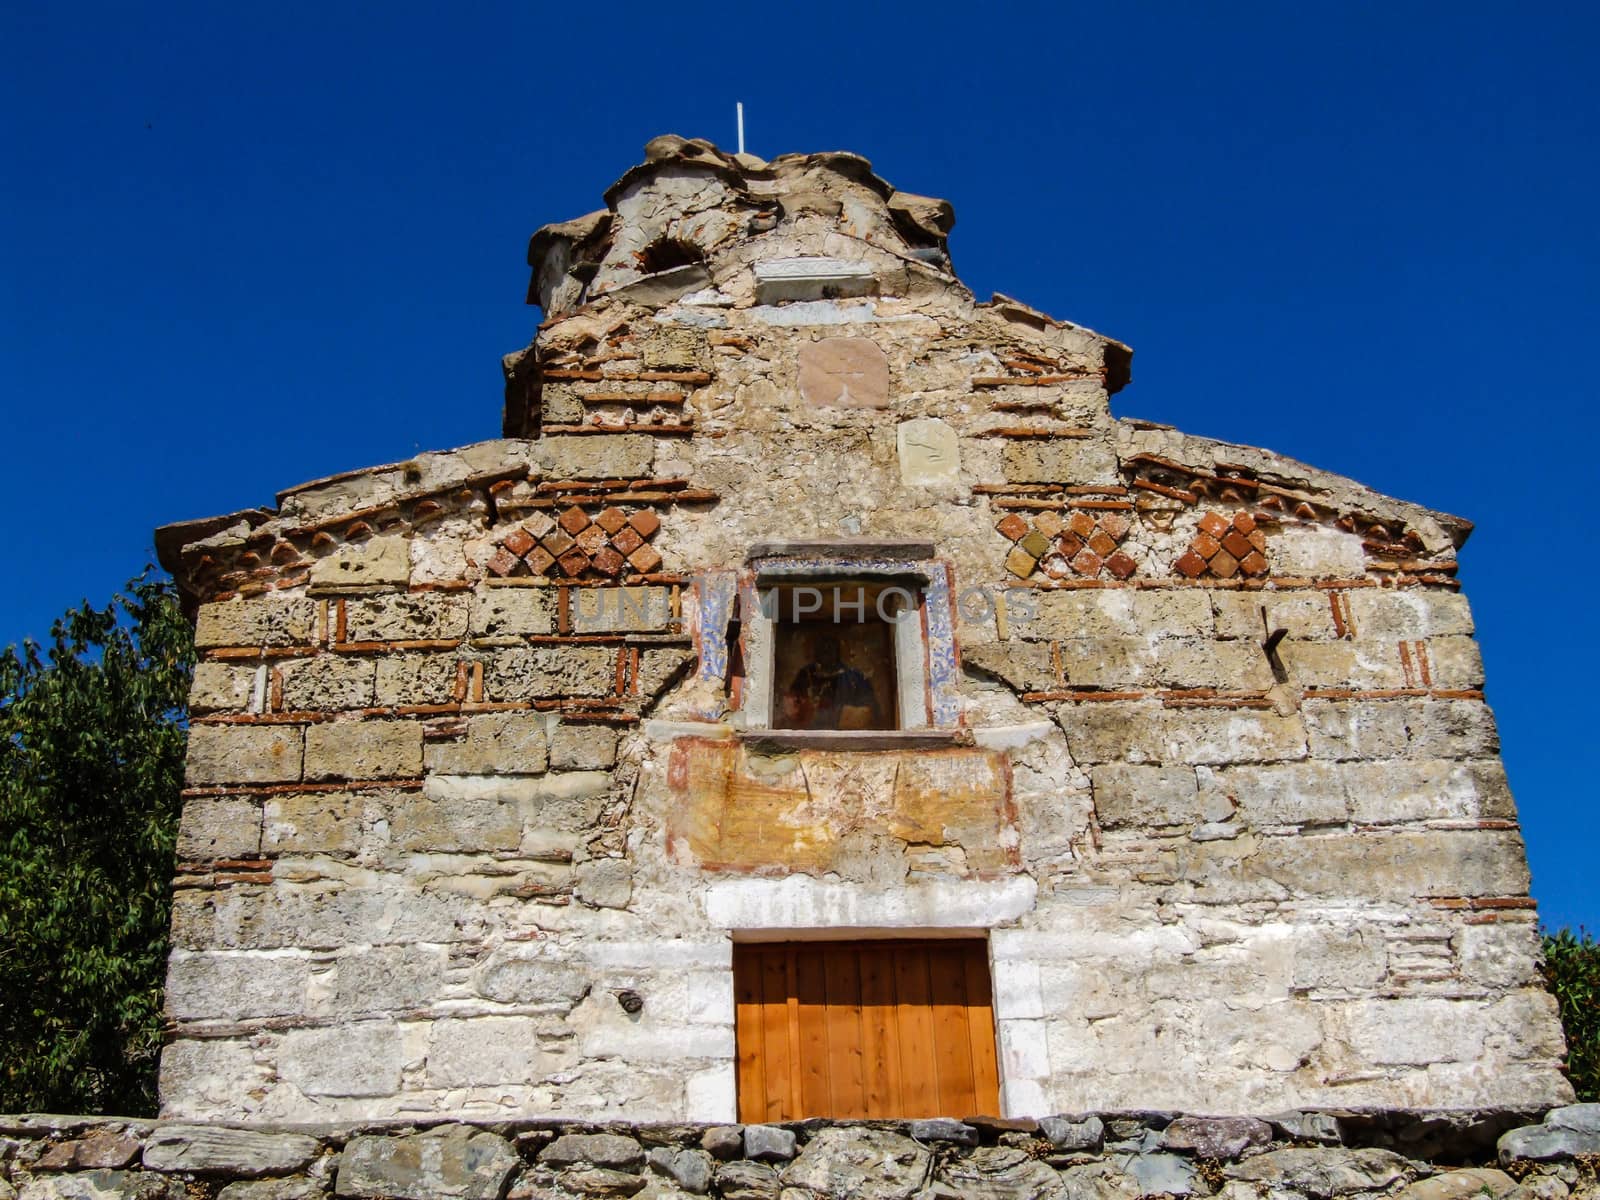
{"x": 879, "y": 1029}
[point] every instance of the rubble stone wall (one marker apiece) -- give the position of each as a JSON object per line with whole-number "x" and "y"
{"x": 1116, "y": 1156}
{"x": 478, "y": 741}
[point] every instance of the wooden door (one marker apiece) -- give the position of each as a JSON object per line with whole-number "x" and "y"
{"x": 864, "y": 1029}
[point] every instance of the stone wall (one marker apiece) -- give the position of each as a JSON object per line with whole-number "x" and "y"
{"x": 480, "y": 740}
{"x": 1117, "y": 1156}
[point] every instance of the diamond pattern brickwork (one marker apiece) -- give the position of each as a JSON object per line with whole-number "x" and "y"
{"x": 572, "y": 544}
{"x": 1225, "y": 549}
{"x": 1065, "y": 545}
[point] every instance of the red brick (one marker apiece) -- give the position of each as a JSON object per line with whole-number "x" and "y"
{"x": 1081, "y": 523}
{"x": 644, "y": 559}
{"x": 1213, "y": 524}
{"x": 1224, "y": 565}
{"x": 1191, "y": 564}
{"x": 611, "y": 519}
{"x": 519, "y": 542}
{"x": 573, "y": 520}
{"x": 1236, "y": 544}
{"x": 1205, "y": 545}
{"x": 592, "y": 540}
{"x": 627, "y": 541}
{"x": 1102, "y": 543}
{"x": 503, "y": 562}
{"x": 608, "y": 561}
{"x": 1258, "y": 539}
{"x": 1055, "y": 566}
{"x": 1020, "y": 563}
{"x": 1253, "y": 564}
{"x": 1069, "y": 544}
{"x": 1086, "y": 562}
{"x": 1049, "y": 523}
{"x": 540, "y": 560}
{"x": 573, "y": 563}
{"x": 646, "y": 522}
{"x": 1244, "y": 522}
{"x": 1115, "y": 524}
{"x": 1011, "y": 527}
{"x": 1120, "y": 565}
{"x": 557, "y": 542}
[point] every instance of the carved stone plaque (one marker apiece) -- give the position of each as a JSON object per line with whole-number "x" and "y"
{"x": 844, "y": 373}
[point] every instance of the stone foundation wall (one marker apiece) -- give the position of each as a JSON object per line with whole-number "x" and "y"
{"x": 1117, "y": 1156}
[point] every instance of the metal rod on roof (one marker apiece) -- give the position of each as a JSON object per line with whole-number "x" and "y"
{"x": 739, "y": 108}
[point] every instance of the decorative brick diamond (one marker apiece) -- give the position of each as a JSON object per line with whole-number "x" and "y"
{"x": 576, "y": 546}
{"x": 573, "y": 520}
{"x": 1062, "y": 545}
{"x": 1225, "y": 548}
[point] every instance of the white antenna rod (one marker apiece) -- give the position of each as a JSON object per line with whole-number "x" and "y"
{"x": 739, "y": 107}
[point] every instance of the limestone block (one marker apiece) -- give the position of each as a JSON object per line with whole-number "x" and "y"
{"x": 328, "y": 681}
{"x": 364, "y": 750}
{"x": 1339, "y": 959}
{"x": 1144, "y": 732}
{"x": 582, "y": 747}
{"x": 872, "y": 1164}
{"x": 1363, "y": 665}
{"x": 1390, "y": 792}
{"x": 216, "y": 1150}
{"x": 621, "y": 609}
{"x": 513, "y": 611}
{"x": 519, "y": 974}
{"x": 577, "y": 456}
{"x": 484, "y": 1052}
{"x": 1456, "y": 662}
{"x": 1418, "y": 729}
{"x": 354, "y": 1058}
{"x": 1318, "y": 554}
{"x": 228, "y": 986}
{"x": 1305, "y": 793}
{"x": 379, "y": 562}
{"x": 316, "y": 917}
{"x": 513, "y": 743}
{"x": 221, "y": 685}
{"x": 1307, "y": 615}
{"x": 416, "y": 678}
{"x": 313, "y": 823}
{"x": 541, "y": 672}
{"x": 568, "y": 801}
{"x": 929, "y": 452}
{"x": 659, "y": 666}
{"x": 275, "y": 619}
{"x": 1417, "y": 1031}
{"x": 1499, "y": 957}
{"x": 407, "y": 616}
{"x": 295, "y": 1188}
{"x": 1391, "y": 866}
{"x": 1110, "y": 662}
{"x": 1109, "y": 612}
{"x": 605, "y": 883}
{"x": 1144, "y": 796}
{"x": 1025, "y": 666}
{"x": 768, "y": 1143}
{"x": 1392, "y": 615}
{"x": 388, "y": 979}
{"x": 1198, "y": 663}
{"x": 203, "y": 1078}
{"x": 449, "y": 1162}
{"x": 244, "y": 754}
{"x": 223, "y": 827}
{"x": 482, "y": 824}
{"x": 844, "y": 372}
{"x": 1067, "y": 461}
{"x": 1474, "y": 1183}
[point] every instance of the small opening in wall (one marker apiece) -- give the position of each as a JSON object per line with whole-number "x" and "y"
{"x": 664, "y": 254}
{"x": 834, "y": 654}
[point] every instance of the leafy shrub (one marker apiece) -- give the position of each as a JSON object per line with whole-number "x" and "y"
{"x": 1572, "y": 968}
{"x": 92, "y": 731}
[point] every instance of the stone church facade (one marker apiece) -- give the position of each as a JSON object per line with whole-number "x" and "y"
{"x": 818, "y": 704}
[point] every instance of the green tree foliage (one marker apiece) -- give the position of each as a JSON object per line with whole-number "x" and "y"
{"x": 92, "y": 730}
{"x": 1572, "y": 968}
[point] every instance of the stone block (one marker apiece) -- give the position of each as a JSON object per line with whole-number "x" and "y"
{"x": 843, "y": 372}
{"x": 293, "y": 1188}
{"x": 221, "y": 686}
{"x": 224, "y": 827}
{"x": 328, "y": 681}
{"x": 1364, "y": 665}
{"x": 1392, "y": 793}
{"x": 605, "y": 883}
{"x": 513, "y": 743}
{"x": 1499, "y": 957}
{"x": 1305, "y": 793}
{"x": 1339, "y": 959}
{"x": 216, "y": 1150}
{"x": 929, "y": 452}
{"x": 1455, "y": 661}
{"x": 1391, "y": 866}
{"x": 543, "y": 672}
{"x": 1071, "y": 1136}
{"x": 313, "y": 823}
{"x": 407, "y": 616}
{"x": 519, "y": 974}
{"x": 613, "y": 1150}
{"x": 1145, "y": 732}
{"x": 1386, "y": 614}
{"x": 416, "y": 678}
{"x": 484, "y": 1052}
{"x": 659, "y": 666}
{"x": 1109, "y": 662}
{"x": 244, "y": 754}
{"x": 569, "y": 801}
{"x": 1313, "y": 553}
{"x": 621, "y": 609}
{"x": 364, "y": 750}
{"x": 354, "y": 1058}
{"x": 275, "y": 619}
{"x": 388, "y": 979}
{"x": 99, "y": 1185}
{"x": 768, "y": 1143}
{"x": 481, "y": 824}
{"x": 1024, "y": 666}
{"x": 1142, "y": 797}
{"x": 1307, "y": 615}
{"x": 1200, "y": 663}
{"x": 582, "y": 747}
{"x": 1402, "y": 728}
{"x": 576, "y": 456}
{"x": 449, "y": 1162}
{"x": 231, "y": 986}
{"x": 1417, "y": 1031}
{"x": 1109, "y": 612}
{"x": 1064, "y": 460}
{"x": 513, "y": 611}
{"x": 872, "y": 1164}
{"x": 689, "y": 1169}
{"x": 1322, "y": 1172}
{"x": 380, "y": 562}
{"x": 1473, "y": 1183}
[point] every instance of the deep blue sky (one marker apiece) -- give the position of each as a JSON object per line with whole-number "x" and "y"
{"x": 247, "y": 245}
